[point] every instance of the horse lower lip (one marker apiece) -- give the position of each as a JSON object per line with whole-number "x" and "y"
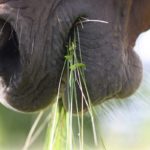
{"x": 3, "y": 97}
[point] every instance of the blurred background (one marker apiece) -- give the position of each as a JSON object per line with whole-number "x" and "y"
{"x": 124, "y": 125}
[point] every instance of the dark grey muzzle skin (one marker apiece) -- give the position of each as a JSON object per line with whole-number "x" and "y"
{"x": 33, "y": 46}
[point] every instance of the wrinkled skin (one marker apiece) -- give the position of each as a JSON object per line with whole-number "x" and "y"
{"x": 33, "y": 41}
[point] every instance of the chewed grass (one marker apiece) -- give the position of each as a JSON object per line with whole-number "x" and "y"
{"x": 66, "y": 131}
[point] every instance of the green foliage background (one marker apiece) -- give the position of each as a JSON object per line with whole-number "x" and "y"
{"x": 14, "y": 128}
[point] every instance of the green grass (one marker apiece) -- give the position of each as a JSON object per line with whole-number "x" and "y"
{"x": 61, "y": 133}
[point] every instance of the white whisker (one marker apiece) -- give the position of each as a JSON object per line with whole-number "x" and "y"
{"x": 17, "y": 18}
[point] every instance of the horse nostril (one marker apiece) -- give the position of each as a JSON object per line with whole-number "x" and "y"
{"x": 9, "y": 53}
